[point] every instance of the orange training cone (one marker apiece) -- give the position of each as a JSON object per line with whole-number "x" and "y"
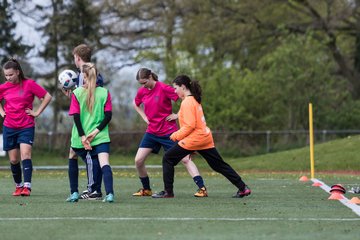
{"x": 316, "y": 184}
{"x": 355, "y": 200}
{"x": 336, "y": 196}
{"x": 303, "y": 179}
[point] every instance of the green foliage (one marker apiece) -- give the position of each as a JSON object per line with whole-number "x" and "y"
{"x": 10, "y": 45}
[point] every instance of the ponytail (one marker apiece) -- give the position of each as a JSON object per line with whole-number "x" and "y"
{"x": 91, "y": 73}
{"x": 192, "y": 85}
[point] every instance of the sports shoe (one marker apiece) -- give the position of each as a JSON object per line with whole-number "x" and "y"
{"x": 163, "y": 194}
{"x": 243, "y": 193}
{"x": 91, "y": 196}
{"x": 355, "y": 190}
{"x": 143, "y": 193}
{"x": 109, "y": 198}
{"x": 17, "y": 191}
{"x": 201, "y": 192}
{"x": 25, "y": 192}
{"x": 74, "y": 197}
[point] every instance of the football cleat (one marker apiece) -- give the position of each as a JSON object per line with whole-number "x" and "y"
{"x": 25, "y": 192}
{"x": 109, "y": 198}
{"x": 243, "y": 193}
{"x": 143, "y": 193}
{"x": 91, "y": 196}
{"x": 74, "y": 197}
{"x": 201, "y": 192}
{"x": 17, "y": 191}
{"x": 163, "y": 194}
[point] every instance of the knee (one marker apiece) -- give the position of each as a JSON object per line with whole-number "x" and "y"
{"x": 139, "y": 162}
{"x": 14, "y": 161}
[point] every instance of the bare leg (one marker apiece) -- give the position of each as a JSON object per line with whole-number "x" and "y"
{"x": 140, "y": 158}
{"x": 190, "y": 166}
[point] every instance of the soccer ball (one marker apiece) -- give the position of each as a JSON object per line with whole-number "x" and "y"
{"x": 67, "y": 79}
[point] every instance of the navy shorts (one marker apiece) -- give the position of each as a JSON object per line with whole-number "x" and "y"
{"x": 102, "y": 147}
{"x": 12, "y": 137}
{"x": 155, "y": 142}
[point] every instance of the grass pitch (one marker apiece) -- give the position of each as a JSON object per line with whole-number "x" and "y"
{"x": 280, "y": 207}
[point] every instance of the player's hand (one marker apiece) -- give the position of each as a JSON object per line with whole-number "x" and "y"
{"x": 31, "y": 112}
{"x": 86, "y": 143}
{"x": 172, "y": 137}
{"x": 146, "y": 120}
{"x": 92, "y": 135}
{"x": 66, "y": 92}
{"x": 172, "y": 117}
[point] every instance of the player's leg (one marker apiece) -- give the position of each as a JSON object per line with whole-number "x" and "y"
{"x": 25, "y": 140}
{"x": 73, "y": 173}
{"x": 140, "y": 158}
{"x": 147, "y": 145}
{"x": 171, "y": 158}
{"x": 190, "y": 166}
{"x": 216, "y": 162}
{"x": 106, "y": 172}
{"x": 11, "y": 146}
{"x": 25, "y": 155}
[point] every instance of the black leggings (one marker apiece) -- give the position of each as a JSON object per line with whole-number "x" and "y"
{"x": 174, "y": 155}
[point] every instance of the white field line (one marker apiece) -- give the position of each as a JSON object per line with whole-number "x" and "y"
{"x": 64, "y": 167}
{"x": 175, "y": 219}
{"x": 355, "y": 208}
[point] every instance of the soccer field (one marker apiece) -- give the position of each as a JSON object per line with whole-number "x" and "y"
{"x": 280, "y": 207}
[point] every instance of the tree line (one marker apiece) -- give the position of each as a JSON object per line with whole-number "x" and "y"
{"x": 259, "y": 62}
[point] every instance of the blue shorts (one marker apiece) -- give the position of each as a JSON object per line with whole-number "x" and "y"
{"x": 155, "y": 142}
{"x": 102, "y": 147}
{"x": 12, "y": 137}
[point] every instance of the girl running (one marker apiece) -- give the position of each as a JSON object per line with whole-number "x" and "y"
{"x": 19, "y": 122}
{"x": 194, "y": 135}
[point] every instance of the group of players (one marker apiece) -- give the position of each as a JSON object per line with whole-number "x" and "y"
{"x": 91, "y": 109}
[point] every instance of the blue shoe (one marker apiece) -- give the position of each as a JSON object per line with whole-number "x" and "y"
{"x": 109, "y": 198}
{"x": 74, "y": 197}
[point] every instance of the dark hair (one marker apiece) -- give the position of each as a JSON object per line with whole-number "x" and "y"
{"x": 83, "y": 51}
{"x": 12, "y": 63}
{"x": 145, "y": 73}
{"x": 192, "y": 85}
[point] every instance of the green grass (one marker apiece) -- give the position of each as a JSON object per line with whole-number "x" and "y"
{"x": 280, "y": 207}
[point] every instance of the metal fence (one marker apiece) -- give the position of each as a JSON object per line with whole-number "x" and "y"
{"x": 235, "y": 143}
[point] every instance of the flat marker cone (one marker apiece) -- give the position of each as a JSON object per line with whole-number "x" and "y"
{"x": 336, "y": 196}
{"x": 303, "y": 179}
{"x": 355, "y": 200}
{"x": 316, "y": 184}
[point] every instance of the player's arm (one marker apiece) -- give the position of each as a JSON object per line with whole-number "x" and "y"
{"x": 2, "y": 111}
{"x": 141, "y": 112}
{"x": 188, "y": 125}
{"x": 44, "y": 102}
{"x": 81, "y": 132}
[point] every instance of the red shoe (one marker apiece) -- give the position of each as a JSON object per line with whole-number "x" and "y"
{"x": 25, "y": 192}
{"x": 17, "y": 191}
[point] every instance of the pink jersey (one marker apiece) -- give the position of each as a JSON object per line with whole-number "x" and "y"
{"x": 75, "y": 106}
{"x": 157, "y": 106}
{"x": 18, "y": 98}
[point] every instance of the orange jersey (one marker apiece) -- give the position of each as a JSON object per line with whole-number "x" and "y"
{"x": 193, "y": 133}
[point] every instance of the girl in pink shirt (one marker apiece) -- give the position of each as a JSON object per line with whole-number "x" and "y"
{"x": 19, "y": 121}
{"x": 153, "y": 102}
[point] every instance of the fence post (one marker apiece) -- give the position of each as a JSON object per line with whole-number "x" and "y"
{"x": 50, "y": 140}
{"x": 324, "y": 132}
{"x": 268, "y": 135}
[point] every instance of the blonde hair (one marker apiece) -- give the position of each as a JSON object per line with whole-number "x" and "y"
{"x": 89, "y": 70}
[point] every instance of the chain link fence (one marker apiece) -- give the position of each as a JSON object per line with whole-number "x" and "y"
{"x": 233, "y": 143}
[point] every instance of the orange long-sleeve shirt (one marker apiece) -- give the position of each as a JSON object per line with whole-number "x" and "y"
{"x": 193, "y": 133}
